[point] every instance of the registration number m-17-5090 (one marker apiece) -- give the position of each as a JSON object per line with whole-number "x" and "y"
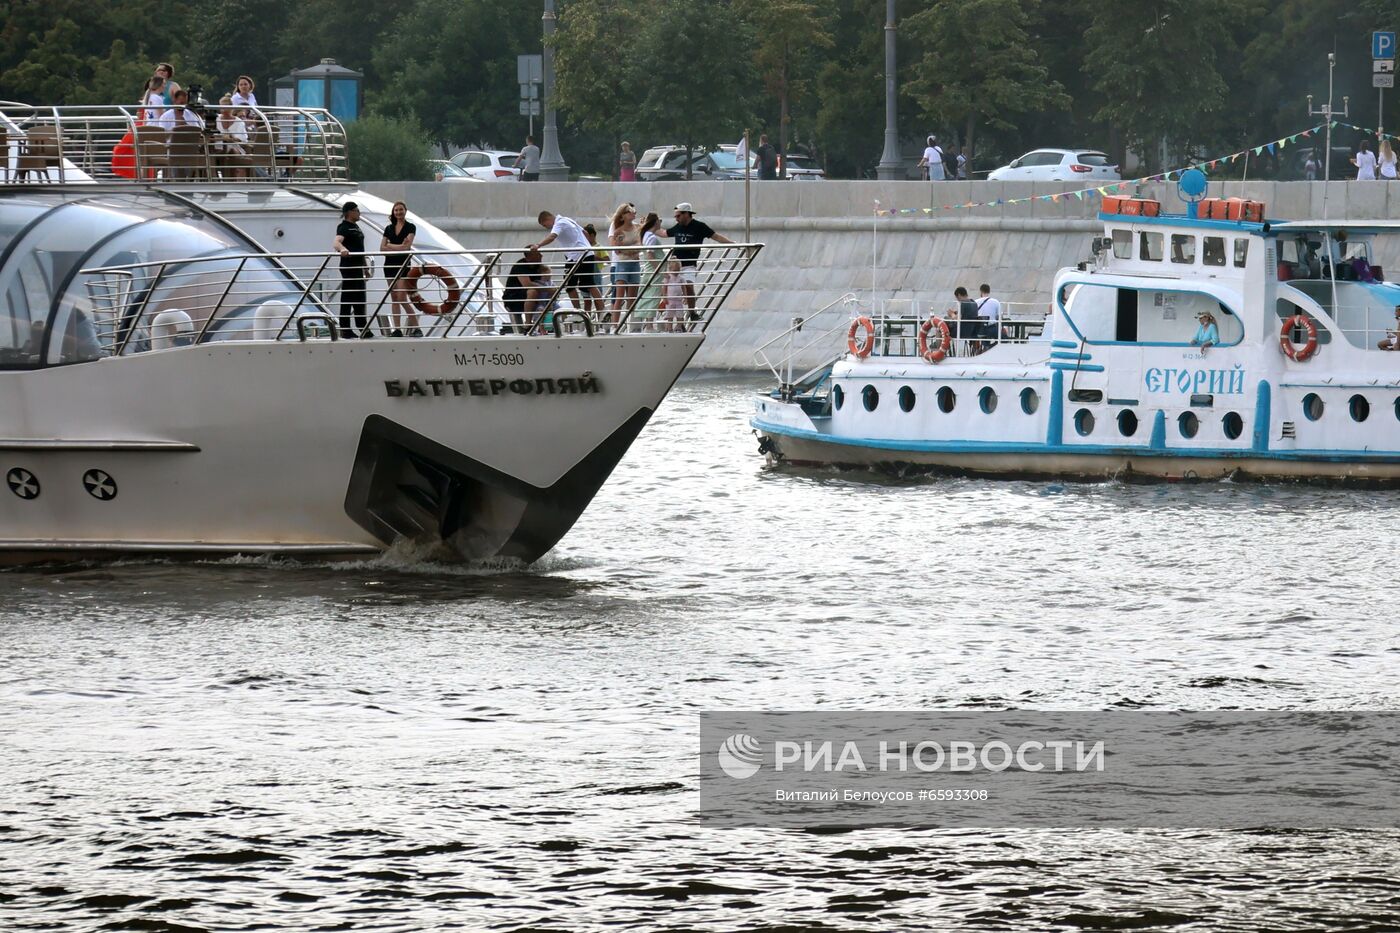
{"x": 489, "y": 359}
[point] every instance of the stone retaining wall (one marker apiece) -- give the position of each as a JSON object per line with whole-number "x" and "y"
{"x": 823, "y": 240}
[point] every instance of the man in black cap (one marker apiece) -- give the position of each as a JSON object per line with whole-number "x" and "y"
{"x": 350, "y": 244}
{"x": 689, "y": 230}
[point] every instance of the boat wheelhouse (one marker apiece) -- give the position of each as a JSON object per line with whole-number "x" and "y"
{"x": 178, "y": 382}
{"x": 1115, "y": 382}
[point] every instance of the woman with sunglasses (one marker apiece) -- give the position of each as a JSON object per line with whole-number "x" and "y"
{"x": 626, "y": 264}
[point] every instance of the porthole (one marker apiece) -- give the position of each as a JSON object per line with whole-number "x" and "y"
{"x": 1360, "y": 408}
{"x": 870, "y": 398}
{"x": 906, "y": 398}
{"x": 1312, "y": 406}
{"x": 1397, "y": 408}
{"x": 1233, "y": 425}
{"x": 1188, "y": 424}
{"x": 987, "y": 399}
{"x": 838, "y": 397}
{"x": 1030, "y": 401}
{"x": 947, "y": 399}
{"x": 1127, "y": 423}
{"x": 1084, "y": 422}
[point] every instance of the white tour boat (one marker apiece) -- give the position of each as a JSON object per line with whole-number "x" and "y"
{"x": 176, "y": 381}
{"x": 1118, "y": 382}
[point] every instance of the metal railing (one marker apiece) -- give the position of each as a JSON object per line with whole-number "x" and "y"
{"x": 80, "y": 144}
{"x": 819, "y": 334}
{"x": 436, "y": 294}
{"x": 896, "y": 326}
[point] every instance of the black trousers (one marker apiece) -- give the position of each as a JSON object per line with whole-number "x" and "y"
{"x": 353, "y": 318}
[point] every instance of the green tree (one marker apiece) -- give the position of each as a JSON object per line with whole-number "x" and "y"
{"x": 597, "y": 75}
{"x": 700, "y": 81}
{"x": 978, "y": 63}
{"x": 789, "y": 36}
{"x": 70, "y": 51}
{"x": 386, "y": 149}
{"x": 452, "y": 66}
{"x": 1156, "y": 71}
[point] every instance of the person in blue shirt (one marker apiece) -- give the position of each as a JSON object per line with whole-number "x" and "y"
{"x": 1207, "y": 333}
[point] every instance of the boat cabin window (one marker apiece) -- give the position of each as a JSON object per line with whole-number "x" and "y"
{"x": 1122, "y": 244}
{"x": 1241, "y": 252}
{"x": 1213, "y": 250}
{"x": 1183, "y": 248}
{"x": 1152, "y": 317}
{"x": 1150, "y": 247}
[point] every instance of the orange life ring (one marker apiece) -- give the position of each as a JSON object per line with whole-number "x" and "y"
{"x": 867, "y": 344}
{"x": 1285, "y": 338}
{"x": 939, "y": 351}
{"x": 454, "y": 292}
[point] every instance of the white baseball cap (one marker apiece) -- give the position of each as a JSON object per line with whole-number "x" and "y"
{"x": 685, "y": 207}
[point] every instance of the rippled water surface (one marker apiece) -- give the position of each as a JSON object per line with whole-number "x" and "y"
{"x": 396, "y": 746}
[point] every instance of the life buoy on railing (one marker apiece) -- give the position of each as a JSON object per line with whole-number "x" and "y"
{"x": 938, "y": 352}
{"x": 1285, "y": 338}
{"x": 454, "y": 292}
{"x": 867, "y": 343}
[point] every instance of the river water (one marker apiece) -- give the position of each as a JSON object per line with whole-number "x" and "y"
{"x": 397, "y": 746}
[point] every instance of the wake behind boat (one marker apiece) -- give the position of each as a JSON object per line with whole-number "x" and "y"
{"x": 1202, "y": 345}
{"x": 174, "y": 387}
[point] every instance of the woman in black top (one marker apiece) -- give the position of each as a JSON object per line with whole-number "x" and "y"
{"x": 397, "y": 242}
{"x": 350, "y": 244}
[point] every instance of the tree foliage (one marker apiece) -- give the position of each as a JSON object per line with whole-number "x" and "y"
{"x": 789, "y": 38}
{"x": 1168, "y": 77}
{"x": 980, "y": 65}
{"x": 387, "y": 149}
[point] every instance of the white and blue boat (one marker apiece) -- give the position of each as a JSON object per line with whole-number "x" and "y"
{"x": 1297, "y": 385}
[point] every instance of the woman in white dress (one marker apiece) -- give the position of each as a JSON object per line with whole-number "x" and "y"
{"x": 243, "y": 95}
{"x": 1365, "y": 162}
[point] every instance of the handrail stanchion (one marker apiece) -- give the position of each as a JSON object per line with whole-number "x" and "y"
{"x": 215, "y": 310}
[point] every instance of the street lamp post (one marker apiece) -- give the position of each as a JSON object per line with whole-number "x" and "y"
{"x": 1327, "y": 113}
{"x": 891, "y": 167}
{"x": 552, "y": 167}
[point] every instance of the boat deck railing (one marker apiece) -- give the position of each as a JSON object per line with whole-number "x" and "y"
{"x": 896, "y": 322}
{"x": 438, "y": 294}
{"x": 80, "y": 144}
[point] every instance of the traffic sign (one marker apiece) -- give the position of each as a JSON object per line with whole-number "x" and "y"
{"x": 1383, "y": 80}
{"x": 1383, "y": 66}
{"x": 529, "y": 69}
{"x": 1382, "y": 45}
{"x": 529, "y": 108}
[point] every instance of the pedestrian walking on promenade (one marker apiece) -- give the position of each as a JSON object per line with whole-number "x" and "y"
{"x": 529, "y": 158}
{"x": 933, "y": 159}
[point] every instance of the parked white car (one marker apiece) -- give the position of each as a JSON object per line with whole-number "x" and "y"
{"x": 1086, "y": 165}
{"x": 451, "y": 171}
{"x": 488, "y": 164}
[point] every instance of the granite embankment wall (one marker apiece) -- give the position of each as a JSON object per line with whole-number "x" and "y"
{"x": 823, "y": 240}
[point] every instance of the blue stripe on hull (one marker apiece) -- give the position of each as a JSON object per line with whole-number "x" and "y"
{"x": 1001, "y": 447}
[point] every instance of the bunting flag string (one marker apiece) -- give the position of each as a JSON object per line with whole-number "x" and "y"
{"x": 1114, "y": 187}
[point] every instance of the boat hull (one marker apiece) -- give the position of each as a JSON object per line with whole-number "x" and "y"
{"x": 476, "y": 448}
{"x": 783, "y": 448}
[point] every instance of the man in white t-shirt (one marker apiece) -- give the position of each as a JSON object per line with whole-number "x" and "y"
{"x": 933, "y": 158}
{"x": 989, "y": 310}
{"x": 179, "y": 113}
{"x": 582, "y": 275}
